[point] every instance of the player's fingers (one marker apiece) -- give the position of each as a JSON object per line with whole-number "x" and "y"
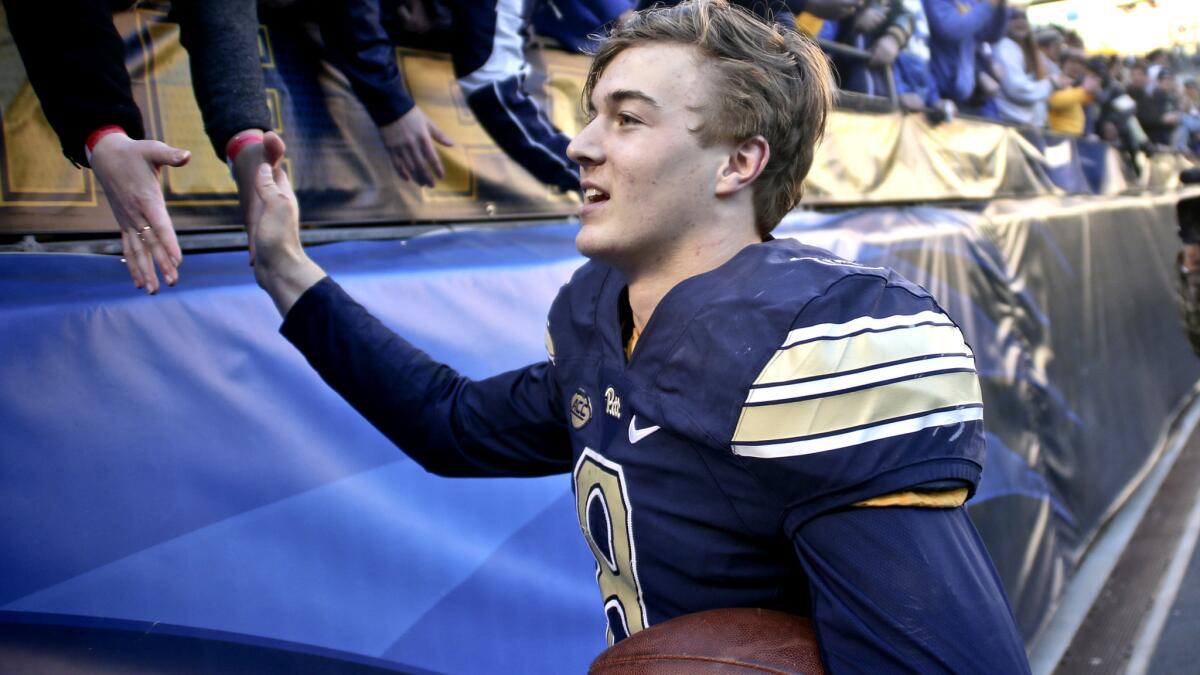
{"x": 284, "y": 181}
{"x": 127, "y": 257}
{"x": 273, "y": 148}
{"x": 250, "y": 241}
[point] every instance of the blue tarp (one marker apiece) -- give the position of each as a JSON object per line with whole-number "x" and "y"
{"x": 171, "y": 465}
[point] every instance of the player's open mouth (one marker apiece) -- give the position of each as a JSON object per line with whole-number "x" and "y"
{"x": 593, "y": 195}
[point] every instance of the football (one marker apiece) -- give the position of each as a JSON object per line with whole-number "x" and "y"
{"x": 732, "y": 640}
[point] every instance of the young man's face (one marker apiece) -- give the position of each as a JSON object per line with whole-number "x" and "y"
{"x": 1073, "y": 68}
{"x": 647, "y": 181}
{"x": 1138, "y": 78}
{"x": 1018, "y": 27}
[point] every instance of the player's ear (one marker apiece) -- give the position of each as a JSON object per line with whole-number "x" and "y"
{"x": 743, "y": 165}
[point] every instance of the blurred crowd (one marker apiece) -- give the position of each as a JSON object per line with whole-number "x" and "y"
{"x": 976, "y": 57}
{"x": 984, "y": 58}
{"x": 945, "y": 57}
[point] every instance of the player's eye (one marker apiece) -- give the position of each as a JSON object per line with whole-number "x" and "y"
{"x": 625, "y": 119}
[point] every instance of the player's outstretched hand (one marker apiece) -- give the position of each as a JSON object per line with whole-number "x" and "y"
{"x": 128, "y": 170}
{"x": 282, "y": 268}
{"x": 409, "y": 141}
{"x": 245, "y": 168}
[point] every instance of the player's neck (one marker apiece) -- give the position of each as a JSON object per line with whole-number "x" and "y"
{"x": 648, "y": 283}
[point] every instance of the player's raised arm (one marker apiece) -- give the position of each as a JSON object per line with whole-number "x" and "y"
{"x": 508, "y": 425}
{"x": 282, "y": 269}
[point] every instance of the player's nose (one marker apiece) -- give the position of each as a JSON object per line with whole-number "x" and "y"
{"x": 585, "y": 149}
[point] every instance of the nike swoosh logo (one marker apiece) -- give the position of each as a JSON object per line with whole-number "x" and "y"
{"x": 636, "y": 434}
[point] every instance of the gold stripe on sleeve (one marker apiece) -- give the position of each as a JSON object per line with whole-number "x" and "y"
{"x": 859, "y": 408}
{"x": 825, "y": 357}
{"x": 943, "y": 499}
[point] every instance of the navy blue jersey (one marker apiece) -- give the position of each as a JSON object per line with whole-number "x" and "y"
{"x": 726, "y": 462}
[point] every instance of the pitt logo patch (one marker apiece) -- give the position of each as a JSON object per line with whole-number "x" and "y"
{"x": 581, "y": 409}
{"x": 612, "y": 403}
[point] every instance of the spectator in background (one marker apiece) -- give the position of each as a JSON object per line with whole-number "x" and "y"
{"x": 571, "y": 23}
{"x": 1188, "y": 137}
{"x": 987, "y": 84}
{"x": 957, "y": 27}
{"x": 1079, "y": 88}
{"x": 1065, "y": 106}
{"x": 1139, "y": 78}
{"x": 75, "y": 60}
{"x": 914, "y": 84}
{"x": 486, "y": 40}
{"x": 1116, "y": 112}
{"x": 807, "y": 16}
{"x": 1024, "y": 85}
{"x": 881, "y": 28}
{"x": 1161, "y": 111}
{"x": 487, "y": 48}
{"x": 357, "y": 45}
{"x": 1156, "y": 60}
{"x": 1071, "y": 39}
{"x": 1139, "y": 86}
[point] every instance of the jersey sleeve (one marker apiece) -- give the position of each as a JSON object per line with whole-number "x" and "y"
{"x": 907, "y": 590}
{"x": 507, "y": 425}
{"x": 871, "y": 391}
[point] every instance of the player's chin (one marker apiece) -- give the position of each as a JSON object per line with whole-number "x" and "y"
{"x": 592, "y": 242}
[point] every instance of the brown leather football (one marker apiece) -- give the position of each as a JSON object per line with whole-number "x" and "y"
{"x": 717, "y": 641}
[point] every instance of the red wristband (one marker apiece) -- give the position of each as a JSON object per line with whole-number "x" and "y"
{"x": 96, "y": 135}
{"x": 239, "y": 143}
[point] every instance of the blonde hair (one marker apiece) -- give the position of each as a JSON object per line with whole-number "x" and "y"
{"x": 770, "y": 81}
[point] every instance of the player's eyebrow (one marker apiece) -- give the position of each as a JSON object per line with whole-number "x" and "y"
{"x": 621, "y": 95}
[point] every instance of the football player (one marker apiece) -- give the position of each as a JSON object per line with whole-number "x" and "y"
{"x": 747, "y": 422}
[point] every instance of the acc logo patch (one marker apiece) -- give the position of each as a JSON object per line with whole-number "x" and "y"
{"x": 581, "y": 409}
